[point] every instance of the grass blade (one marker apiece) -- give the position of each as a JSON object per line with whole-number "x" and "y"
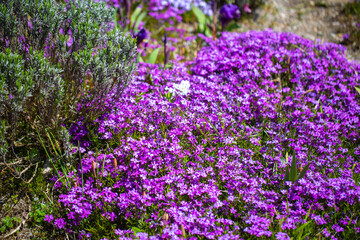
{"x": 293, "y": 170}
{"x": 286, "y": 173}
{"x": 153, "y": 56}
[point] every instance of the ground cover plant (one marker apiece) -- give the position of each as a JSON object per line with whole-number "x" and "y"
{"x": 255, "y": 137}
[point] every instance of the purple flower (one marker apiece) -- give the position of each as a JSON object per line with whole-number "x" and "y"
{"x": 70, "y": 41}
{"x": 60, "y": 223}
{"x": 49, "y": 218}
{"x": 30, "y": 25}
{"x": 229, "y": 12}
{"x": 326, "y": 232}
{"x": 232, "y": 80}
{"x": 337, "y": 228}
{"x": 140, "y": 36}
{"x": 142, "y": 235}
{"x": 282, "y": 236}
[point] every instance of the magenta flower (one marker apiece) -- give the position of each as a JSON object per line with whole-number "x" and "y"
{"x": 60, "y": 223}
{"x": 49, "y": 218}
{"x": 246, "y": 8}
{"x": 282, "y": 236}
{"x": 30, "y": 25}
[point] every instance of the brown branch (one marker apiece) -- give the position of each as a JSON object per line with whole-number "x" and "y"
{"x": 27, "y": 182}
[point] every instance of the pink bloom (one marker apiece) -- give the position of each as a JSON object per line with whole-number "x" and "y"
{"x": 246, "y": 8}
{"x": 49, "y": 218}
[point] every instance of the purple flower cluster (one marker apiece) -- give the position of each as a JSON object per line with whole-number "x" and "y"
{"x": 200, "y": 149}
{"x": 229, "y": 12}
{"x": 164, "y": 9}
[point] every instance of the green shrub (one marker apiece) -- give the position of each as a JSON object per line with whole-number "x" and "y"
{"x": 58, "y": 61}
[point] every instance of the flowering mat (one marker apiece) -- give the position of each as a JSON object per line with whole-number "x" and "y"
{"x": 257, "y": 137}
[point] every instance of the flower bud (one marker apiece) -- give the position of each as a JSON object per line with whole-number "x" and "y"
{"x": 140, "y": 36}
{"x": 93, "y": 167}
{"x": 115, "y": 163}
{"x": 183, "y": 231}
{"x": 165, "y": 219}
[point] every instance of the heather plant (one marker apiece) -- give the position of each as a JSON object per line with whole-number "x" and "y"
{"x": 55, "y": 56}
{"x": 257, "y": 137}
{"x": 58, "y": 63}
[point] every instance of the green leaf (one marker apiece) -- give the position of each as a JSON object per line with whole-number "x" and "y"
{"x": 293, "y": 170}
{"x": 301, "y": 228}
{"x": 65, "y": 174}
{"x": 232, "y": 26}
{"x": 280, "y": 225}
{"x": 135, "y": 15}
{"x": 139, "y": 19}
{"x": 308, "y": 213}
{"x": 321, "y": 109}
{"x": 103, "y": 167}
{"x": 201, "y": 18}
{"x": 352, "y": 169}
{"x": 357, "y": 89}
{"x": 208, "y": 33}
{"x": 287, "y": 206}
{"x": 136, "y": 230}
{"x": 212, "y": 126}
{"x": 153, "y": 56}
{"x": 115, "y": 20}
{"x": 303, "y": 172}
{"x": 140, "y": 59}
{"x": 286, "y": 173}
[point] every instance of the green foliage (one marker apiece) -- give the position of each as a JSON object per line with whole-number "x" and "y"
{"x": 53, "y": 57}
{"x": 356, "y": 176}
{"x": 153, "y": 56}
{"x": 203, "y": 22}
{"x": 137, "y": 17}
{"x": 305, "y": 228}
{"x": 39, "y": 212}
{"x": 292, "y": 173}
{"x": 357, "y": 89}
{"x": 8, "y": 223}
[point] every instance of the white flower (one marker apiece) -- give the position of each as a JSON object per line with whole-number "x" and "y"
{"x": 183, "y": 87}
